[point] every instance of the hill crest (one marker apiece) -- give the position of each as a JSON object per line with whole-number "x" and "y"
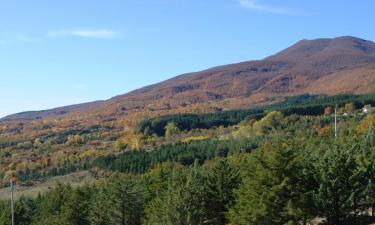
{"x": 321, "y": 66}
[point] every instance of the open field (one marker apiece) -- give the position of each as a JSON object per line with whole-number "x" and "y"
{"x": 75, "y": 179}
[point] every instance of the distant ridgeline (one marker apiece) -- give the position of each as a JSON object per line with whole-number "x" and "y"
{"x": 301, "y": 105}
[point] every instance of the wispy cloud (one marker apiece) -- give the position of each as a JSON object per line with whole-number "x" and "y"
{"x": 255, "y": 5}
{"x": 86, "y": 33}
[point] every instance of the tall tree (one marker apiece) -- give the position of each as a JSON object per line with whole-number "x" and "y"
{"x": 50, "y": 206}
{"x": 25, "y": 209}
{"x": 101, "y": 209}
{"x": 5, "y": 213}
{"x": 181, "y": 204}
{"x": 76, "y": 209}
{"x": 342, "y": 182}
{"x": 274, "y": 192}
{"x": 127, "y": 199}
{"x": 220, "y": 182}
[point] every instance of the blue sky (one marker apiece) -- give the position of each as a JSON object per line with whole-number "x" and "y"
{"x": 54, "y": 53}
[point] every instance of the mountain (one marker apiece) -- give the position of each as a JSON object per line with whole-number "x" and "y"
{"x": 322, "y": 66}
{"x": 60, "y": 111}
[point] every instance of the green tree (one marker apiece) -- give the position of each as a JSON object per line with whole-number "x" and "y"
{"x": 158, "y": 178}
{"x": 76, "y": 209}
{"x": 5, "y": 213}
{"x": 220, "y": 183}
{"x": 274, "y": 193}
{"x": 181, "y": 204}
{"x": 127, "y": 200}
{"x": 25, "y": 209}
{"x": 345, "y": 177}
{"x": 51, "y": 204}
{"x": 101, "y": 209}
{"x": 366, "y": 162}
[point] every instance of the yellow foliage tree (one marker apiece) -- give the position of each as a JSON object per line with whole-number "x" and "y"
{"x": 131, "y": 141}
{"x": 75, "y": 140}
{"x": 272, "y": 121}
{"x": 367, "y": 123}
{"x": 171, "y": 130}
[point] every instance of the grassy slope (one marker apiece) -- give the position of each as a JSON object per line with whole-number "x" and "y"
{"x": 75, "y": 179}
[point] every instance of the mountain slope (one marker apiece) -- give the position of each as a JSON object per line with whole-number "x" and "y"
{"x": 324, "y": 66}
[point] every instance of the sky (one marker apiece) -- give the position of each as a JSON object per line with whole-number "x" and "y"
{"x": 60, "y": 52}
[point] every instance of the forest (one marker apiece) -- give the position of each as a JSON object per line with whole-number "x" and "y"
{"x": 285, "y": 165}
{"x": 301, "y": 105}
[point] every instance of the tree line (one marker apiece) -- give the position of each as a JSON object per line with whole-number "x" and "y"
{"x": 303, "y": 105}
{"x": 141, "y": 161}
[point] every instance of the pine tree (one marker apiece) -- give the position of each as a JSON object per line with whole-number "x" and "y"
{"x": 181, "y": 204}
{"x": 24, "y": 211}
{"x": 127, "y": 200}
{"x": 273, "y": 193}
{"x": 101, "y": 209}
{"x": 51, "y": 204}
{"x": 220, "y": 183}
{"x": 76, "y": 209}
{"x": 5, "y": 213}
{"x": 339, "y": 183}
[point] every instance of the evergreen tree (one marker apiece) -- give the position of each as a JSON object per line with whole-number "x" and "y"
{"x": 51, "y": 204}
{"x": 101, "y": 209}
{"x": 76, "y": 209}
{"x": 181, "y": 204}
{"x": 274, "y": 192}
{"x": 127, "y": 199}
{"x": 5, "y": 213}
{"x": 345, "y": 182}
{"x": 220, "y": 183}
{"x": 25, "y": 209}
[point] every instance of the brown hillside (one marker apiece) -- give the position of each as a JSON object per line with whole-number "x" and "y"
{"x": 324, "y": 66}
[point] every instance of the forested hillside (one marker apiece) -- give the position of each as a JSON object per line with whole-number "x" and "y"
{"x": 277, "y": 164}
{"x": 45, "y": 149}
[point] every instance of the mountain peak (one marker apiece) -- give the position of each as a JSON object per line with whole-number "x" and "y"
{"x": 323, "y": 47}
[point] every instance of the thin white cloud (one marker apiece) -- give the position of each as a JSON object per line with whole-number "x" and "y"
{"x": 86, "y": 33}
{"x": 255, "y": 5}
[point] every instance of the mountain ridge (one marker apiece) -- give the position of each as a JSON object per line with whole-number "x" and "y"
{"x": 320, "y": 66}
